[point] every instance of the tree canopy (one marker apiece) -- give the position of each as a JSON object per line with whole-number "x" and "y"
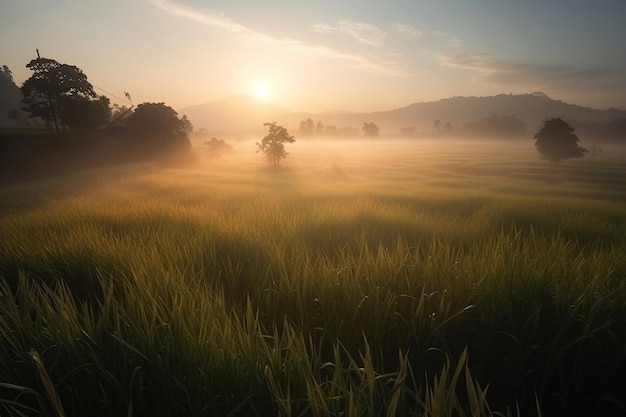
{"x": 62, "y": 95}
{"x": 370, "y": 129}
{"x": 84, "y": 113}
{"x": 273, "y": 144}
{"x": 160, "y": 125}
{"x": 10, "y": 97}
{"x": 307, "y": 127}
{"x": 556, "y": 141}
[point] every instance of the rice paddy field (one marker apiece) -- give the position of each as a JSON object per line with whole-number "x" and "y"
{"x": 362, "y": 278}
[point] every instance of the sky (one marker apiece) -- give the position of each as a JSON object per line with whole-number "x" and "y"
{"x": 327, "y": 55}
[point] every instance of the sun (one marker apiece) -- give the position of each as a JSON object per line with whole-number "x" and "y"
{"x": 262, "y": 91}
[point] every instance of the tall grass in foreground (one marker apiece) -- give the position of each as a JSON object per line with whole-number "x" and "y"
{"x": 193, "y": 294}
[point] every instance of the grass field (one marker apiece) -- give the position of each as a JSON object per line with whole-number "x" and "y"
{"x": 365, "y": 278}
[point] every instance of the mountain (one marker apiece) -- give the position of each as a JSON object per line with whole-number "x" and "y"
{"x": 531, "y": 108}
{"x": 234, "y": 114}
{"x": 241, "y": 113}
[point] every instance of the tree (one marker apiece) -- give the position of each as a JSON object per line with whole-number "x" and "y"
{"x": 187, "y": 126}
{"x": 119, "y": 112}
{"x": 10, "y": 98}
{"x": 53, "y": 86}
{"x": 556, "y": 141}
{"x": 273, "y": 144}
{"x": 319, "y": 128}
{"x": 307, "y": 127}
{"x": 159, "y": 126}
{"x": 370, "y": 129}
{"x": 6, "y": 72}
{"x": 83, "y": 113}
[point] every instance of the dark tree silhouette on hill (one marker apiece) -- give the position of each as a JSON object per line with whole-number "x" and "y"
{"x": 5, "y": 71}
{"x": 556, "y": 141}
{"x": 273, "y": 144}
{"x": 55, "y": 87}
{"x": 10, "y": 98}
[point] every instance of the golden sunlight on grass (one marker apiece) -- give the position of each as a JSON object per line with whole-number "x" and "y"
{"x": 360, "y": 276}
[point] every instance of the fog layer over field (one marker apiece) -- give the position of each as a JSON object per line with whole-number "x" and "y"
{"x": 432, "y": 165}
{"x": 365, "y": 277}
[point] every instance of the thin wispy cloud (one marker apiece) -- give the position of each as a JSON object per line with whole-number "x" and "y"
{"x": 209, "y": 17}
{"x": 521, "y": 73}
{"x": 451, "y": 40}
{"x": 366, "y": 33}
{"x": 363, "y": 32}
{"x": 454, "y": 42}
{"x": 324, "y": 28}
{"x": 407, "y": 31}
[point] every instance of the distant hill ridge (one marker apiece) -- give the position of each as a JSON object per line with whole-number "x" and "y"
{"x": 238, "y": 113}
{"x": 245, "y": 114}
{"x": 530, "y": 107}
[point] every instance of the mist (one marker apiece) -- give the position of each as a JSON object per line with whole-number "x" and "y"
{"x": 459, "y": 163}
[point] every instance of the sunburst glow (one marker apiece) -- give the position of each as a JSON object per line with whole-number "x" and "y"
{"x": 262, "y": 91}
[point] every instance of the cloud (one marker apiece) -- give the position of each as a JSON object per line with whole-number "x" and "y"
{"x": 451, "y": 41}
{"x": 455, "y": 42}
{"x": 324, "y": 28}
{"x": 407, "y": 31}
{"x": 502, "y": 72}
{"x": 363, "y": 32}
{"x": 210, "y": 17}
{"x": 366, "y": 33}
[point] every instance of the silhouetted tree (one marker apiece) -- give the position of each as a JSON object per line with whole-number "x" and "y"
{"x": 556, "y": 141}
{"x": 119, "y": 113}
{"x": 307, "y": 127}
{"x": 51, "y": 86}
{"x": 187, "y": 125}
{"x": 273, "y": 144}
{"x": 370, "y": 129}
{"x": 6, "y": 72}
{"x": 84, "y": 113}
{"x": 158, "y": 125}
{"x": 10, "y": 98}
{"x": 319, "y": 128}
{"x": 217, "y": 146}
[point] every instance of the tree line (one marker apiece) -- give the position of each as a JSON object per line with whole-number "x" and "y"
{"x": 59, "y": 96}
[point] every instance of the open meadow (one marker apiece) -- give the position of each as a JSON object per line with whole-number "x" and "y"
{"x": 362, "y": 278}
